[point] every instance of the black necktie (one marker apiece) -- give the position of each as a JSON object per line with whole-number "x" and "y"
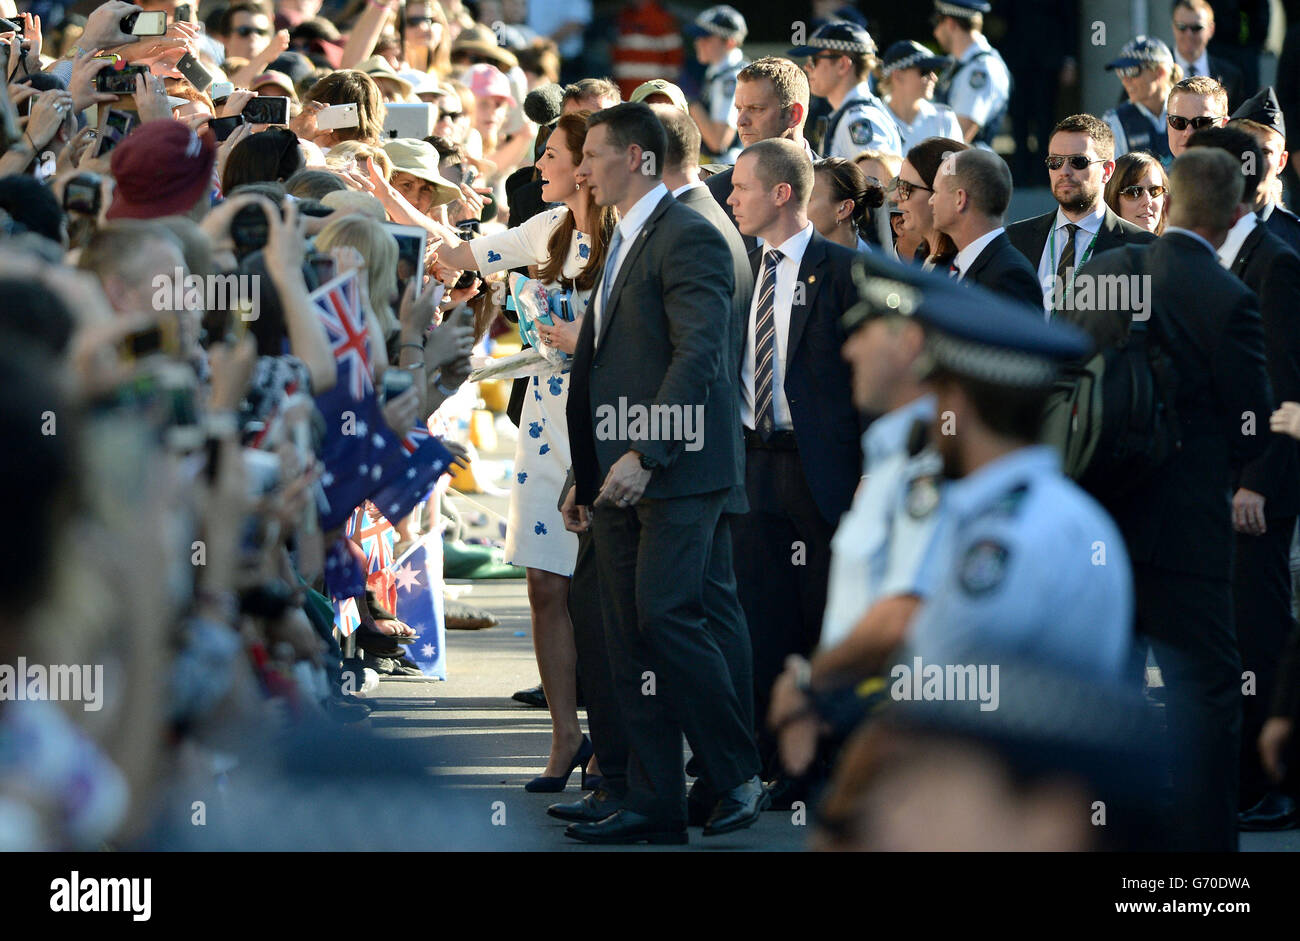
{"x": 765, "y": 346}
{"x": 1067, "y": 257}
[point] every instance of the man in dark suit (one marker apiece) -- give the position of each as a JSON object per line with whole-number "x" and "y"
{"x": 803, "y": 457}
{"x": 971, "y": 192}
{"x": 1081, "y": 158}
{"x": 1193, "y": 30}
{"x": 771, "y": 101}
{"x": 653, "y": 469}
{"x": 1267, "y": 497}
{"x": 1178, "y": 524}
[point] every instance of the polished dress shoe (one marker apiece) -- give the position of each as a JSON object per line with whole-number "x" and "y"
{"x": 597, "y": 805}
{"x": 626, "y": 826}
{"x": 1273, "y": 812}
{"x": 531, "y": 697}
{"x": 739, "y": 808}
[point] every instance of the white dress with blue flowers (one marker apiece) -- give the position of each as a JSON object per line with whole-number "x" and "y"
{"x": 535, "y": 533}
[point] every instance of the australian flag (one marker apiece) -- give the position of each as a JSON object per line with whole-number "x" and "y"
{"x": 417, "y": 578}
{"x": 362, "y": 457}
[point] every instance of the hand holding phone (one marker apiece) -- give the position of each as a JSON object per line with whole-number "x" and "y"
{"x": 267, "y": 110}
{"x": 141, "y": 23}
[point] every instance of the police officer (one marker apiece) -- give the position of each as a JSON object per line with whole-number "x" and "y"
{"x": 909, "y": 71}
{"x": 978, "y": 84}
{"x": 718, "y": 33}
{"x": 1261, "y": 117}
{"x": 1147, "y": 70}
{"x": 840, "y": 56}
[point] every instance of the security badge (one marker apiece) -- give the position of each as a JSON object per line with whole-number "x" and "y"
{"x": 983, "y": 567}
{"x": 922, "y": 497}
{"x": 860, "y": 132}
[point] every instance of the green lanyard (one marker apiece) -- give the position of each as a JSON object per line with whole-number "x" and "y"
{"x": 1087, "y": 253}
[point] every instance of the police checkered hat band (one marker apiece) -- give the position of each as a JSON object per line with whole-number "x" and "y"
{"x": 905, "y": 55}
{"x": 724, "y": 21}
{"x": 1140, "y": 51}
{"x": 998, "y": 365}
{"x": 843, "y": 45}
{"x": 960, "y": 10}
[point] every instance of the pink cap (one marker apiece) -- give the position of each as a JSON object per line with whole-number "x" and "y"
{"x": 487, "y": 81}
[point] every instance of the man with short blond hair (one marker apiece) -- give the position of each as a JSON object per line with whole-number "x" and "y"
{"x": 1194, "y": 103}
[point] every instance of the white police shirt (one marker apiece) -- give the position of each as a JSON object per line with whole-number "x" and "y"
{"x": 932, "y": 120}
{"x": 979, "y": 90}
{"x": 1034, "y": 567}
{"x": 861, "y": 122}
{"x": 718, "y": 95}
{"x": 1159, "y": 126}
{"x": 882, "y": 545}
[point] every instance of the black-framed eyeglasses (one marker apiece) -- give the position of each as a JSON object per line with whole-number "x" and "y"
{"x": 1179, "y": 123}
{"x": 903, "y": 189}
{"x": 247, "y": 31}
{"x": 1189, "y": 27}
{"x": 1077, "y": 161}
{"x": 1135, "y": 191}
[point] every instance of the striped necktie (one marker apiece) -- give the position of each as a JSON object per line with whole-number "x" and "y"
{"x": 765, "y": 347}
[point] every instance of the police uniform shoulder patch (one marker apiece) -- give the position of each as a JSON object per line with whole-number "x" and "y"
{"x": 860, "y": 132}
{"x": 922, "y": 497}
{"x": 983, "y": 567}
{"x": 979, "y": 78}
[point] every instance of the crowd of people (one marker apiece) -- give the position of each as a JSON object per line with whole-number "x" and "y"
{"x": 947, "y": 526}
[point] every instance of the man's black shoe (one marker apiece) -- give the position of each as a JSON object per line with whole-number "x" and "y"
{"x": 531, "y": 697}
{"x": 625, "y": 826}
{"x": 1273, "y": 812}
{"x": 700, "y": 801}
{"x": 595, "y": 806}
{"x": 739, "y": 808}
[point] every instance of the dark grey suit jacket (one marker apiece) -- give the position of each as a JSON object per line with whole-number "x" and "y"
{"x": 662, "y": 343}
{"x": 720, "y": 186}
{"x": 1030, "y": 237}
{"x": 999, "y": 267}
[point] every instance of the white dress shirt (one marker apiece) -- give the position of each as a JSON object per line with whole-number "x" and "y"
{"x": 967, "y": 255}
{"x": 629, "y": 228}
{"x": 1089, "y": 226}
{"x": 787, "y": 273}
{"x": 1236, "y": 238}
{"x": 687, "y": 188}
{"x": 1202, "y": 64}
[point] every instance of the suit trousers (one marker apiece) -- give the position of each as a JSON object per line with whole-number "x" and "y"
{"x": 1187, "y": 619}
{"x": 670, "y": 673}
{"x": 782, "y": 570}
{"x": 1261, "y": 595}
{"x": 604, "y": 720}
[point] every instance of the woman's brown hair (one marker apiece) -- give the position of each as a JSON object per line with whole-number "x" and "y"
{"x": 348, "y": 86}
{"x": 1128, "y": 170}
{"x": 926, "y": 158}
{"x": 571, "y": 131}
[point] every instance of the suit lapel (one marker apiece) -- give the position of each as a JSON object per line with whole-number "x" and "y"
{"x": 630, "y": 259}
{"x": 808, "y": 284}
{"x": 982, "y": 259}
{"x": 1240, "y": 263}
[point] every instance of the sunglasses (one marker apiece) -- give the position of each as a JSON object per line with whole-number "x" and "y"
{"x": 1129, "y": 71}
{"x": 1179, "y": 123}
{"x": 903, "y": 189}
{"x": 443, "y": 114}
{"x": 247, "y": 31}
{"x": 825, "y": 57}
{"x": 1077, "y": 161}
{"x": 1189, "y": 27}
{"x": 418, "y": 20}
{"x": 1135, "y": 191}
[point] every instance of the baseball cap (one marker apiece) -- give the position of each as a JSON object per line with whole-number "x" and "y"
{"x": 488, "y": 81}
{"x": 658, "y": 86}
{"x": 420, "y": 159}
{"x": 162, "y": 169}
{"x": 278, "y": 79}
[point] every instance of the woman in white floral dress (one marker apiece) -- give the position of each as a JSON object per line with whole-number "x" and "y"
{"x": 565, "y": 250}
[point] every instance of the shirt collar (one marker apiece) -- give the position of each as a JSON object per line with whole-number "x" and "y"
{"x": 1236, "y": 238}
{"x": 1162, "y": 119}
{"x": 972, "y": 251}
{"x": 1192, "y": 235}
{"x": 1090, "y": 223}
{"x": 1265, "y": 212}
{"x": 792, "y": 249}
{"x": 888, "y": 434}
{"x": 687, "y": 188}
{"x": 630, "y": 224}
{"x": 973, "y": 493}
{"x": 734, "y": 57}
{"x": 978, "y": 44}
{"x": 1202, "y": 64}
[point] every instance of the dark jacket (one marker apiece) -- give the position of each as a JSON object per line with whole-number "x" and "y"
{"x": 999, "y": 267}
{"x": 662, "y": 347}
{"x": 818, "y": 383}
{"x": 720, "y": 186}
{"x": 1272, "y": 271}
{"x": 1208, "y": 323}
{"x": 1030, "y": 237}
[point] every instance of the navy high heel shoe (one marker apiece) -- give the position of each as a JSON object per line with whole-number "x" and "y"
{"x": 545, "y": 785}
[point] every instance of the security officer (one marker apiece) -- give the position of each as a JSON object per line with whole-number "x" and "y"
{"x": 840, "y": 56}
{"x": 1146, "y": 68}
{"x": 718, "y": 33}
{"x": 909, "y": 69}
{"x": 978, "y": 84}
{"x": 1261, "y": 117}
